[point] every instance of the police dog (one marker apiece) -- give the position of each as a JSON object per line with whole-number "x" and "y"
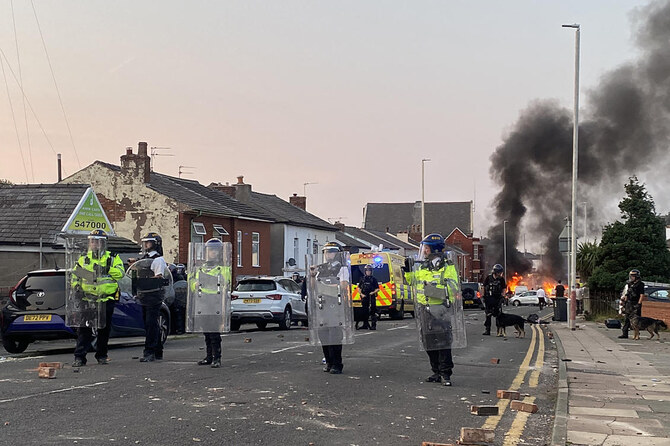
{"x": 510, "y": 320}
{"x": 652, "y": 325}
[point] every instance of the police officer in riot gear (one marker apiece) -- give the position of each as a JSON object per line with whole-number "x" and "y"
{"x": 434, "y": 280}
{"x": 632, "y": 300}
{"x": 494, "y": 287}
{"x": 152, "y": 248}
{"x": 95, "y": 276}
{"x": 368, "y": 287}
{"x": 331, "y": 271}
{"x": 212, "y": 267}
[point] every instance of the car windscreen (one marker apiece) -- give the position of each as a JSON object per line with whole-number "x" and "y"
{"x": 256, "y": 285}
{"x": 379, "y": 271}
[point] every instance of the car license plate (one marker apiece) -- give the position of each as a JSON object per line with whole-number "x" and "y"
{"x": 357, "y": 304}
{"x": 251, "y": 301}
{"x": 37, "y": 318}
{"x": 469, "y": 302}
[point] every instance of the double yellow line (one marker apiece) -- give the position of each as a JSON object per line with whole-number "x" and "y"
{"x": 513, "y": 435}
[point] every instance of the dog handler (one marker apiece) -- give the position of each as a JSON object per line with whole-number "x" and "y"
{"x": 632, "y": 300}
{"x": 494, "y": 286}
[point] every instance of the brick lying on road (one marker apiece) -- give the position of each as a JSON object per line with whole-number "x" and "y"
{"x": 470, "y": 435}
{"x": 484, "y": 410}
{"x": 495, "y": 360}
{"x": 55, "y": 365}
{"x": 46, "y": 372}
{"x": 523, "y": 407}
{"x": 508, "y": 394}
{"x": 430, "y": 443}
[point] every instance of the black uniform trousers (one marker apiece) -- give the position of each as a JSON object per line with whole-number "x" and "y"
{"x": 152, "y": 340}
{"x": 85, "y": 335}
{"x": 492, "y": 308}
{"x": 630, "y": 310}
{"x": 333, "y": 355}
{"x": 213, "y": 344}
{"x": 441, "y": 362}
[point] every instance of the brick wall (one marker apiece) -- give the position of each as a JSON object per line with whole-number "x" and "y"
{"x": 657, "y": 310}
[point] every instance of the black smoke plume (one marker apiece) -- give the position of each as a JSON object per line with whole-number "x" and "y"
{"x": 623, "y": 130}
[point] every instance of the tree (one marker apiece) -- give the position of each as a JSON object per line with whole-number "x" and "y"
{"x": 637, "y": 242}
{"x": 587, "y": 259}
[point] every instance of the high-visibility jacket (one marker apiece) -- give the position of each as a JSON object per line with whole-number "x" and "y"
{"x": 444, "y": 278}
{"x": 194, "y": 277}
{"x": 98, "y": 277}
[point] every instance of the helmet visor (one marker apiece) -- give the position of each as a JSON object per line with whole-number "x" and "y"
{"x": 97, "y": 245}
{"x": 425, "y": 250}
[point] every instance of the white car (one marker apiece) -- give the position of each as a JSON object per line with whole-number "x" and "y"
{"x": 525, "y": 298}
{"x": 263, "y": 300}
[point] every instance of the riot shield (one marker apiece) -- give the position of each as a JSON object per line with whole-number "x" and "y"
{"x": 438, "y": 303}
{"x": 209, "y": 287}
{"x": 329, "y": 300}
{"x": 180, "y": 293}
{"x": 82, "y": 276}
{"x": 145, "y": 286}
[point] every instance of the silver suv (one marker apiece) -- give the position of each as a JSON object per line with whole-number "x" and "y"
{"x": 266, "y": 299}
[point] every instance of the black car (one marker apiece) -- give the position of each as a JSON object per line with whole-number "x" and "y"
{"x": 36, "y": 311}
{"x": 472, "y": 297}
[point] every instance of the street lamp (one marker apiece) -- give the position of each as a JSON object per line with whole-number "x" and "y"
{"x": 573, "y": 244}
{"x": 584, "y": 203}
{"x": 505, "y": 249}
{"x": 423, "y": 199}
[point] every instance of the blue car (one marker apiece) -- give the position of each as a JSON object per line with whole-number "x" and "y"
{"x": 36, "y": 311}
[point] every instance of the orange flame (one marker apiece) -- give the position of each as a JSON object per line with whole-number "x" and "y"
{"x": 514, "y": 281}
{"x": 548, "y": 287}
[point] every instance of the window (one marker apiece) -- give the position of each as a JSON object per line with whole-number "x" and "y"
{"x": 239, "y": 248}
{"x": 255, "y": 249}
{"x": 256, "y": 285}
{"x": 296, "y": 249}
{"x": 475, "y": 252}
{"x": 219, "y": 232}
{"x": 198, "y": 233}
{"x": 315, "y": 247}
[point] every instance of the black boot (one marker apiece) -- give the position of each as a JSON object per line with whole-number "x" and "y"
{"x": 487, "y": 332}
{"x": 216, "y": 363}
{"x": 206, "y": 361}
{"x": 434, "y": 378}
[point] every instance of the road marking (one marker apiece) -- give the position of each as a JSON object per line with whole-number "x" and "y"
{"x": 397, "y": 328}
{"x": 290, "y": 348}
{"x": 52, "y": 392}
{"x": 539, "y": 361}
{"x": 513, "y": 435}
{"x": 492, "y": 421}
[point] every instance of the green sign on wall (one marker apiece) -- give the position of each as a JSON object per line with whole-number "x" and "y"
{"x": 87, "y": 216}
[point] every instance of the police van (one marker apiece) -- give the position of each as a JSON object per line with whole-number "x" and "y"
{"x": 394, "y": 297}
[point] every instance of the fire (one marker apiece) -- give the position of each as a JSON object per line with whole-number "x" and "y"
{"x": 514, "y": 281}
{"x": 548, "y": 287}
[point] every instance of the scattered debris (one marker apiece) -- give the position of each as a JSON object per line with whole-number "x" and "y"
{"x": 484, "y": 410}
{"x": 508, "y": 394}
{"x": 46, "y": 372}
{"x": 471, "y": 435}
{"x": 523, "y": 407}
{"x": 55, "y": 365}
{"x": 495, "y": 360}
{"x": 247, "y": 340}
{"x": 430, "y": 443}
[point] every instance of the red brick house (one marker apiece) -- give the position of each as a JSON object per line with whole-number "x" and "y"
{"x": 138, "y": 200}
{"x": 470, "y": 265}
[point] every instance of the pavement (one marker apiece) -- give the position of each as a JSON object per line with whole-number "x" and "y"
{"x": 611, "y": 392}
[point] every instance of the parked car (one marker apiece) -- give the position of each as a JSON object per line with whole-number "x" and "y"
{"x": 263, "y": 300}
{"x": 525, "y": 298}
{"x": 472, "y": 296}
{"x": 36, "y": 311}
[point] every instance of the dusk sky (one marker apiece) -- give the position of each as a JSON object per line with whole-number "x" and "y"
{"x": 348, "y": 94}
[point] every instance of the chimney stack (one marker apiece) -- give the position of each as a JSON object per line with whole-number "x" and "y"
{"x": 300, "y": 202}
{"x": 339, "y": 225}
{"x": 242, "y": 190}
{"x": 137, "y": 167}
{"x": 60, "y": 170}
{"x": 225, "y": 188}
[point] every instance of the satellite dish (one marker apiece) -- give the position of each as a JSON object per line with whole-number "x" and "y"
{"x": 291, "y": 262}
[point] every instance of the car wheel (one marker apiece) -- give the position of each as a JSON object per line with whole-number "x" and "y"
{"x": 235, "y": 325}
{"x": 261, "y": 325}
{"x": 411, "y": 313}
{"x": 398, "y": 315}
{"x": 285, "y": 322}
{"x": 516, "y": 303}
{"x": 15, "y": 346}
{"x": 164, "y": 325}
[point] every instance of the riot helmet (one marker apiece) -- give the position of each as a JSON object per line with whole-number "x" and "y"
{"x": 634, "y": 274}
{"x": 152, "y": 242}
{"x": 97, "y": 243}
{"x": 213, "y": 251}
{"x": 330, "y": 250}
{"x": 368, "y": 269}
{"x": 498, "y": 268}
{"x": 431, "y": 244}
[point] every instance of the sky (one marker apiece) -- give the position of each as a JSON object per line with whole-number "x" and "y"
{"x": 350, "y": 95}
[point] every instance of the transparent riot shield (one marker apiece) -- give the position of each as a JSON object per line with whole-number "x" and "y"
{"x": 329, "y": 306}
{"x": 209, "y": 286}
{"x": 82, "y": 278}
{"x": 143, "y": 284}
{"x": 438, "y": 303}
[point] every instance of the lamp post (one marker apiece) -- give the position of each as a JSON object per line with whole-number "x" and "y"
{"x": 575, "y": 131}
{"x": 423, "y": 199}
{"x": 584, "y": 203}
{"x": 505, "y": 249}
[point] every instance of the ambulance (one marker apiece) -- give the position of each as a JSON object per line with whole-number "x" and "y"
{"x": 394, "y": 297}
